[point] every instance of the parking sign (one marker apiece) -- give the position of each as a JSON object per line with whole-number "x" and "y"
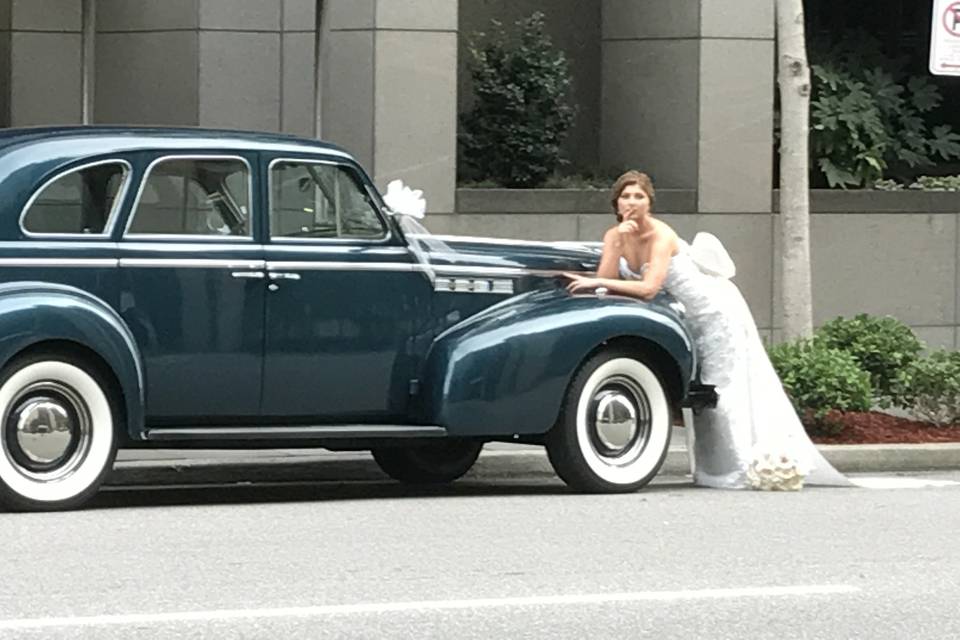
{"x": 945, "y": 38}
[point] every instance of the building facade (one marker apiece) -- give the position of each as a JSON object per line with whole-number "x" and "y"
{"x": 683, "y": 89}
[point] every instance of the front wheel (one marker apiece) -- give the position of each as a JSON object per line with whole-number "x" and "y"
{"x": 614, "y": 426}
{"x": 58, "y": 435}
{"x": 435, "y": 463}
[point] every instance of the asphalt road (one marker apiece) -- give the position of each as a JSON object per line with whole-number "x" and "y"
{"x": 511, "y": 558}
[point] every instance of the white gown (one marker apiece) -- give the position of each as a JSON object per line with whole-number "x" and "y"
{"x": 753, "y": 413}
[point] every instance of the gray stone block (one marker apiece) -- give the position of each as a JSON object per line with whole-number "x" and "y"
{"x": 299, "y": 15}
{"x": 46, "y": 15}
{"x": 869, "y": 201}
{"x": 6, "y": 7}
{"x": 259, "y": 15}
{"x": 737, "y": 19}
{"x": 54, "y": 58}
{"x": 572, "y": 201}
{"x": 548, "y": 227}
{"x": 299, "y": 71}
{"x": 240, "y": 80}
{"x": 415, "y": 130}
{"x": 348, "y": 94}
{"x": 650, "y": 19}
{"x": 937, "y": 337}
{"x": 147, "y": 78}
{"x": 736, "y": 125}
{"x": 351, "y": 14}
{"x": 438, "y": 15}
{"x": 902, "y": 265}
{"x": 649, "y": 112}
{"x": 147, "y": 15}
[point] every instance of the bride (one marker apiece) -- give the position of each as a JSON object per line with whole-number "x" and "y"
{"x": 753, "y": 438}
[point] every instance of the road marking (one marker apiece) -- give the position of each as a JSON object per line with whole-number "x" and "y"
{"x": 428, "y": 605}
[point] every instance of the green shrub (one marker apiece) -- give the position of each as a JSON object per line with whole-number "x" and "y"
{"x": 869, "y": 117}
{"x": 922, "y": 183}
{"x": 881, "y": 345}
{"x": 819, "y": 379}
{"x": 931, "y": 387}
{"x": 521, "y": 113}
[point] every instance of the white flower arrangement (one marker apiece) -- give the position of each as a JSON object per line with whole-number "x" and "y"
{"x": 772, "y": 470}
{"x": 404, "y": 200}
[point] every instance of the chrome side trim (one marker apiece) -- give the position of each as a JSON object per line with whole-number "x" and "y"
{"x": 320, "y": 265}
{"x": 251, "y": 207}
{"x": 473, "y": 285}
{"x": 295, "y": 432}
{"x": 58, "y": 262}
{"x": 190, "y": 263}
{"x": 111, "y": 217}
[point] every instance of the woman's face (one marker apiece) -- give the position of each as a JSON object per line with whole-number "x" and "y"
{"x": 633, "y": 203}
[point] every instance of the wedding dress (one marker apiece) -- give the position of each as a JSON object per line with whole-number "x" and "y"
{"x": 754, "y": 431}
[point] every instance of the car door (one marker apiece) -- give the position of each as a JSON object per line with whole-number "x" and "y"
{"x": 347, "y": 320}
{"x": 192, "y": 287}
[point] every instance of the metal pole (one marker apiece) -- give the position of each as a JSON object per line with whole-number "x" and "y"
{"x": 87, "y": 58}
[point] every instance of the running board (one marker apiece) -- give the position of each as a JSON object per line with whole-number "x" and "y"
{"x": 296, "y": 433}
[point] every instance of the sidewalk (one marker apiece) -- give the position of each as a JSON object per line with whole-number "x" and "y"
{"x": 498, "y": 460}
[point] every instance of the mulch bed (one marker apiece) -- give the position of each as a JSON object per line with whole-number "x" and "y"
{"x": 872, "y": 427}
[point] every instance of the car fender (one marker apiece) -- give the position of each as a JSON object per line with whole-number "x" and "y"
{"x": 36, "y": 312}
{"x": 505, "y": 370}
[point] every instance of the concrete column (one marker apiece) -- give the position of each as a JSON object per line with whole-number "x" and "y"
{"x": 687, "y": 94}
{"x": 390, "y": 91}
{"x": 241, "y": 64}
{"x": 41, "y": 52}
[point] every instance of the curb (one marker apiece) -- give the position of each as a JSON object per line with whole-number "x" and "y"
{"x": 527, "y": 463}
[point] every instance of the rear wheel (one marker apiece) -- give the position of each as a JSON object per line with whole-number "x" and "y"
{"x": 434, "y": 463}
{"x": 58, "y": 434}
{"x": 614, "y": 426}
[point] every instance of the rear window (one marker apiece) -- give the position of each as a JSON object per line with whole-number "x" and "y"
{"x": 81, "y": 201}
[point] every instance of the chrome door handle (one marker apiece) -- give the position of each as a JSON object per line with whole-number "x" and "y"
{"x": 252, "y": 275}
{"x": 283, "y": 275}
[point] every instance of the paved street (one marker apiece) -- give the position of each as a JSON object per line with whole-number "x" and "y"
{"x": 490, "y": 557}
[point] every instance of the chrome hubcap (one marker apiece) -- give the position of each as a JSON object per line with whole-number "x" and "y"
{"x": 619, "y": 419}
{"x": 47, "y": 430}
{"x": 615, "y": 420}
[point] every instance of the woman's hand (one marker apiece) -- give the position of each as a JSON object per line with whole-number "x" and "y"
{"x": 628, "y": 227}
{"x": 581, "y": 283}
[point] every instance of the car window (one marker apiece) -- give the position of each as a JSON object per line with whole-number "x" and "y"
{"x": 80, "y": 201}
{"x": 194, "y": 196}
{"x": 314, "y": 200}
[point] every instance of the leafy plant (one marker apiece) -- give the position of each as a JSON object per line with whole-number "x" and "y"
{"x": 820, "y": 379}
{"x": 882, "y": 346}
{"x": 868, "y": 117}
{"x": 522, "y": 112}
{"x": 931, "y": 387}
{"x": 922, "y": 183}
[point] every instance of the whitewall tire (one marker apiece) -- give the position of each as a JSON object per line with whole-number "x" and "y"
{"x": 58, "y": 434}
{"x": 614, "y": 428}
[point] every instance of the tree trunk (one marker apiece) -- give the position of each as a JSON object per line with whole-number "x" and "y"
{"x": 794, "y": 81}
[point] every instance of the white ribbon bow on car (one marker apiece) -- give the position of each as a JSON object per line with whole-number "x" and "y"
{"x": 404, "y": 200}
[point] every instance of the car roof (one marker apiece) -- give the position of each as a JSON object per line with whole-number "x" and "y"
{"x": 94, "y": 140}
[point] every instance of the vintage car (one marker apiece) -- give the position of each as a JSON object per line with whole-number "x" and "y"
{"x": 185, "y": 288}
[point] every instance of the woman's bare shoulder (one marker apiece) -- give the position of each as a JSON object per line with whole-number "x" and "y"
{"x": 665, "y": 232}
